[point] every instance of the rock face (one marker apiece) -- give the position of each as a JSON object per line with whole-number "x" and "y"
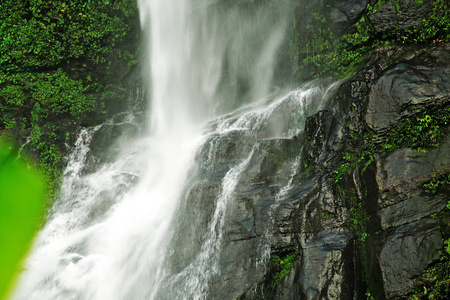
{"x": 402, "y": 86}
{"x": 349, "y": 11}
{"x": 400, "y": 14}
{"x": 373, "y": 230}
{"x": 330, "y": 213}
{"x": 406, "y": 253}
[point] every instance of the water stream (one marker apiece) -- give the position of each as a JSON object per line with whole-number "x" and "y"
{"x": 125, "y": 230}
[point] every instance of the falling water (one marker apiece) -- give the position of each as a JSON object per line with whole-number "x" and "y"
{"x": 113, "y": 232}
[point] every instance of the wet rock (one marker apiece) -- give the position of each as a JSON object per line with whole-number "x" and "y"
{"x": 323, "y": 264}
{"x": 406, "y": 253}
{"x": 352, "y": 9}
{"x": 388, "y": 191}
{"x": 405, "y": 165}
{"x": 405, "y": 86}
{"x": 400, "y": 14}
{"x": 105, "y": 142}
{"x": 416, "y": 207}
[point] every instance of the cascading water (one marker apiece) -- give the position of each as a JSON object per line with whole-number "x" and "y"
{"x": 129, "y": 230}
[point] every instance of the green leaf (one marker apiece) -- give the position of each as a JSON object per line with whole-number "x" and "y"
{"x": 22, "y": 202}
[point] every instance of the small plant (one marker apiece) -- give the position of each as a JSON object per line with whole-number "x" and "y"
{"x": 436, "y": 280}
{"x": 423, "y": 130}
{"x": 437, "y": 184}
{"x": 282, "y": 263}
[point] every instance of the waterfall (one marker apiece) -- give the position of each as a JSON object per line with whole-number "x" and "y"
{"x": 127, "y": 230}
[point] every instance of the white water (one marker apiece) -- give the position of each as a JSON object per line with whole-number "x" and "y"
{"x": 107, "y": 235}
{"x": 192, "y": 282}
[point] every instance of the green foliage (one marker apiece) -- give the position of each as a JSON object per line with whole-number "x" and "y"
{"x": 362, "y": 156}
{"x": 10, "y": 125}
{"x": 342, "y": 169}
{"x": 282, "y": 263}
{"x": 64, "y": 95}
{"x": 50, "y": 155}
{"x": 39, "y": 34}
{"x": 50, "y": 158}
{"x": 129, "y": 56}
{"x": 39, "y": 40}
{"x": 53, "y": 90}
{"x": 436, "y": 280}
{"x": 440, "y": 5}
{"x": 13, "y": 95}
{"x": 437, "y": 184}
{"x": 22, "y": 200}
{"x": 423, "y": 130}
{"x": 360, "y": 219}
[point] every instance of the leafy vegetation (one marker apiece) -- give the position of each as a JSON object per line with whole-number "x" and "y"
{"x": 282, "y": 263}
{"x": 39, "y": 82}
{"x": 39, "y": 34}
{"x": 423, "y": 130}
{"x": 436, "y": 280}
{"x": 437, "y": 184}
{"x": 53, "y": 90}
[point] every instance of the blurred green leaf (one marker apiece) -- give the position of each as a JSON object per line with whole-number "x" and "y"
{"x": 22, "y": 200}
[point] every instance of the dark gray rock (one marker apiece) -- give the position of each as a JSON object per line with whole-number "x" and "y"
{"x": 409, "y": 14}
{"x": 352, "y": 9}
{"x": 405, "y": 86}
{"x": 323, "y": 264}
{"x": 405, "y": 165}
{"x": 416, "y": 207}
{"x": 406, "y": 253}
